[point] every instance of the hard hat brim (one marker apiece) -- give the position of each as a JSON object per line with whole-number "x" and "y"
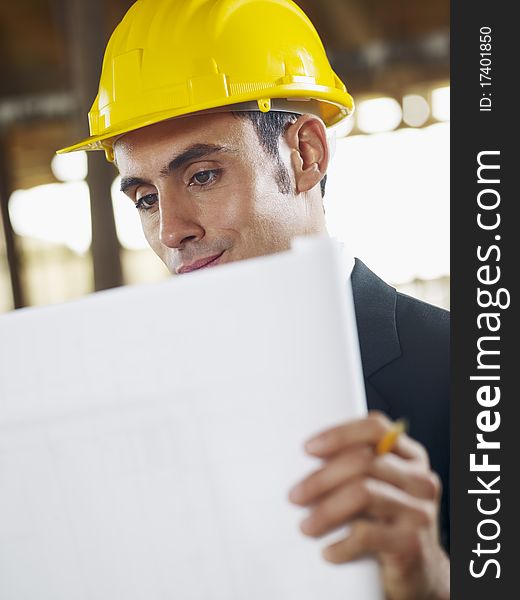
{"x": 336, "y": 106}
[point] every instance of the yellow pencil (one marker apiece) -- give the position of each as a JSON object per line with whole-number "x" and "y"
{"x": 386, "y": 443}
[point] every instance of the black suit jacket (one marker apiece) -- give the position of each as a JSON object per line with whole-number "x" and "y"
{"x": 405, "y": 347}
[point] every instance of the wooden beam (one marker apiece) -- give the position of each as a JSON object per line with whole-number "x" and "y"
{"x": 13, "y": 258}
{"x": 87, "y": 40}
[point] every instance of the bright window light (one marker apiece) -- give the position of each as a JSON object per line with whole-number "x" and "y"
{"x": 70, "y": 167}
{"x": 58, "y": 213}
{"x": 128, "y": 223}
{"x": 378, "y": 115}
{"x": 441, "y": 103}
{"x": 416, "y": 110}
{"x": 387, "y": 199}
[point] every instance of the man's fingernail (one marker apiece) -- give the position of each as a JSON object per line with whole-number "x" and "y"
{"x": 307, "y": 525}
{"x": 296, "y": 494}
{"x": 316, "y": 444}
{"x": 327, "y": 553}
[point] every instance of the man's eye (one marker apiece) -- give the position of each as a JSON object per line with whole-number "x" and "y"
{"x": 146, "y": 202}
{"x": 203, "y": 178}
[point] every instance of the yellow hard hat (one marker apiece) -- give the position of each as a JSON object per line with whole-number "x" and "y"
{"x": 170, "y": 58}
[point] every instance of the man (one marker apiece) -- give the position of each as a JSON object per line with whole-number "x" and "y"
{"x": 217, "y": 114}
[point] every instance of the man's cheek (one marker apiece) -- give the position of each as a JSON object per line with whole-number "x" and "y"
{"x": 152, "y": 236}
{"x": 231, "y": 212}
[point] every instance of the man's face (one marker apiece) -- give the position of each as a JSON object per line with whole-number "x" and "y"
{"x": 207, "y": 192}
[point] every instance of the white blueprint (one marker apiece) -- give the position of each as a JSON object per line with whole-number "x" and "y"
{"x": 149, "y": 436}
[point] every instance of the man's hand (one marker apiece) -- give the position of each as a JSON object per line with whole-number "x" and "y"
{"x": 391, "y": 502}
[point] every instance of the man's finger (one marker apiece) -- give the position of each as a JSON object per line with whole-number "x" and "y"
{"x": 411, "y": 477}
{"x": 338, "y": 470}
{"x": 408, "y": 448}
{"x": 367, "y": 498}
{"x": 368, "y": 431}
{"x": 367, "y": 537}
{"x": 364, "y": 431}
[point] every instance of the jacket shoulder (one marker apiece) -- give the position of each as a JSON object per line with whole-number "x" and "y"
{"x": 424, "y": 337}
{"x": 415, "y": 383}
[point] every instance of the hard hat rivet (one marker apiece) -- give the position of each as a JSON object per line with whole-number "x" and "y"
{"x": 264, "y": 104}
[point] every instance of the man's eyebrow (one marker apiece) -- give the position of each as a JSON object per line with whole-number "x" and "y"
{"x": 192, "y": 153}
{"x": 129, "y": 182}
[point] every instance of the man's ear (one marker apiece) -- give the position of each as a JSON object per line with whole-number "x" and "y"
{"x": 307, "y": 140}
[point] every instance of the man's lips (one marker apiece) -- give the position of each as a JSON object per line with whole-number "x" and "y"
{"x": 209, "y": 261}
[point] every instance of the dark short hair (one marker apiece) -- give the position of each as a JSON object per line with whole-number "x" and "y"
{"x": 269, "y": 127}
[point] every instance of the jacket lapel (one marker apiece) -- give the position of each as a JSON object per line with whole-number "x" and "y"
{"x": 375, "y": 306}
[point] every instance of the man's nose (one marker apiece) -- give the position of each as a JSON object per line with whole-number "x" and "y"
{"x": 178, "y": 225}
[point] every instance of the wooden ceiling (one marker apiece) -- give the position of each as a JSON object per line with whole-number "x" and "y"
{"x": 380, "y": 46}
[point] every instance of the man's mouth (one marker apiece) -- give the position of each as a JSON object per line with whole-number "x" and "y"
{"x": 202, "y": 263}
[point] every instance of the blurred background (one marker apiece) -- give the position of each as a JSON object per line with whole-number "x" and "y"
{"x": 66, "y": 230}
